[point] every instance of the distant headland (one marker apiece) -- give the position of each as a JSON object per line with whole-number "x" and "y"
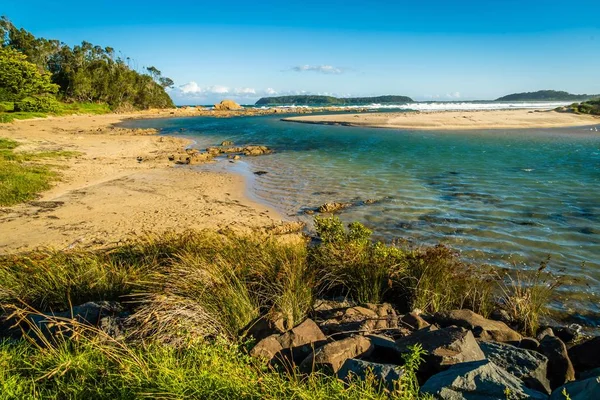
{"x": 309, "y": 100}
{"x": 547, "y": 95}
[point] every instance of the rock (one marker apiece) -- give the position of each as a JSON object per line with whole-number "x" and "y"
{"x": 444, "y": 347}
{"x": 264, "y": 326}
{"x": 215, "y": 151}
{"x": 333, "y": 207}
{"x": 529, "y": 344}
{"x": 586, "y": 389}
{"x": 478, "y": 380}
{"x": 231, "y": 150}
{"x": 113, "y": 326}
{"x": 359, "y": 319}
{"x": 199, "y": 158}
{"x": 560, "y": 369}
{"x": 259, "y": 173}
{"x": 545, "y": 332}
{"x": 414, "y": 321}
{"x": 388, "y": 374}
{"x": 386, "y": 316}
{"x": 529, "y": 366}
{"x": 267, "y": 349}
{"x": 236, "y": 157}
{"x": 483, "y": 328}
{"x": 384, "y": 350}
{"x": 590, "y": 373}
{"x": 256, "y": 150}
{"x": 227, "y": 105}
{"x": 500, "y": 315}
{"x": 332, "y": 356}
{"x": 586, "y": 355}
{"x": 227, "y": 143}
{"x": 302, "y": 340}
{"x": 568, "y": 334}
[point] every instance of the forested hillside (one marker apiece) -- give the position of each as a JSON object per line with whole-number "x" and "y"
{"x": 302, "y": 100}
{"x": 37, "y": 73}
{"x": 546, "y": 95}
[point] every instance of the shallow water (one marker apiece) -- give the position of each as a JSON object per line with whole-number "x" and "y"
{"x": 509, "y": 198}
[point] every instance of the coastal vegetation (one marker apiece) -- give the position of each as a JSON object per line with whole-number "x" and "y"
{"x": 310, "y": 100}
{"x": 187, "y": 304}
{"x": 591, "y": 107}
{"x": 42, "y": 76}
{"x": 546, "y": 95}
{"x": 25, "y": 174}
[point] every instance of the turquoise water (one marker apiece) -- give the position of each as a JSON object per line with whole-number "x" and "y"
{"x": 509, "y": 198}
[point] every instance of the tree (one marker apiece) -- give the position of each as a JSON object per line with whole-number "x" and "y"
{"x": 20, "y": 78}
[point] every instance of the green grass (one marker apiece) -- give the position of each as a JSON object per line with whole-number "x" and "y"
{"x": 8, "y": 115}
{"x": 193, "y": 294}
{"x": 23, "y": 175}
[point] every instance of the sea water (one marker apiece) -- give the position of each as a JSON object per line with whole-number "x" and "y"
{"x": 510, "y": 198}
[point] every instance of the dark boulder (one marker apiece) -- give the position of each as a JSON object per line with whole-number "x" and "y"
{"x": 560, "y": 369}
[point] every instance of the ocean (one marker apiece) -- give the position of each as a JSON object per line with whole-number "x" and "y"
{"x": 510, "y": 198}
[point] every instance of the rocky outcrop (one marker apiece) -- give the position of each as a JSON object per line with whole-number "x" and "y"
{"x": 227, "y": 105}
{"x": 560, "y": 369}
{"x": 478, "y": 380}
{"x": 414, "y": 321}
{"x": 483, "y": 328}
{"x": 333, "y": 355}
{"x": 387, "y": 374}
{"x": 529, "y": 366}
{"x": 586, "y": 389}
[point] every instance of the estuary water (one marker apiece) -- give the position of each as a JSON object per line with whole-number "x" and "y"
{"x": 504, "y": 197}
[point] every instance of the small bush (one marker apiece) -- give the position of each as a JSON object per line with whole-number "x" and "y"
{"x": 348, "y": 263}
{"x": 38, "y": 104}
{"x": 526, "y": 295}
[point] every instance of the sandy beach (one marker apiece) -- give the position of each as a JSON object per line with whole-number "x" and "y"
{"x": 455, "y": 120}
{"x": 105, "y": 195}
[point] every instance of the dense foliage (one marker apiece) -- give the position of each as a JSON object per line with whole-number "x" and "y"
{"x": 85, "y": 73}
{"x": 307, "y": 100}
{"x": 546, "y": 95}
{"x": 587, "y": 107}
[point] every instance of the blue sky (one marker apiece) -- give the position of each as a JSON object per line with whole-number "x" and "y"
{"x": 429, "y": 50}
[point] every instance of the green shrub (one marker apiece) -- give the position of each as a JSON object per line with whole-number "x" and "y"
{"x": 350, "y": 264}
{"x": 38, "y": 104}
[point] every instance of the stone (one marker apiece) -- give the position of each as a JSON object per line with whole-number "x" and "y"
{"x": 384, "y": 350}
{"x": 264, "y": 326}
{"x": 387, "y": 374}
{"x": 227, "y": 143}
{"x": 545, "y": 332}
{"x": 414, "y": 321}
{"x": 586, "y": 355}
{"x": 228, "y": 105}
{"x": 477, "y": 380}
{"x": 529, "y": 343}
{"x": 113, "y": 326}
{"x": 332, "y": 356}
{"x": 529, "y": 366}
{"x": 483, "y": 328}
{"x": 259, "y": 173}
{"x": 267, "y": 349}
{"x": 349, "y": 321}
{"x": 560, "y": 369}
{"x": 302, "y": 340}
{"x": 215, "y": 151}
{"x": 236, "y": 157}
{"x": 444, "y": 347}
{"x": 568, "y": 334}
{"x": 589, "y": 373}
{"x": 256, "y": 150}
{"x": 586, "y": 389}
{"x": 332, "y": 207}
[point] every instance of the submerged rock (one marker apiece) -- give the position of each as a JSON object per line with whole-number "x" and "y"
{"x": 333, "y": 207}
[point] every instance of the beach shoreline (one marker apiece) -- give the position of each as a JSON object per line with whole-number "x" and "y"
{"x": 454, "y": 120}
{"x": 106, "y": 195}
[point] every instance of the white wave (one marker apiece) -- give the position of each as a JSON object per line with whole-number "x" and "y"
{"x": 441, "y": 106}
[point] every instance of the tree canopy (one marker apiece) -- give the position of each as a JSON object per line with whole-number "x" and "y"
{"x": 85, "y": 73}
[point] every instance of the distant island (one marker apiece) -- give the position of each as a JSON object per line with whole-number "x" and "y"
{"x": 309, "y": 100}
{"x": 546, "y": 95}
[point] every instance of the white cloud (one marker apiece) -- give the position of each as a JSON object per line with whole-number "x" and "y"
{"x": 454, "y": 95}
{"x": 242, "y": 91}
{"x": 190, "y": 87}
{"x": 324, "y": 69}
{"x": 270, "y": 91}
